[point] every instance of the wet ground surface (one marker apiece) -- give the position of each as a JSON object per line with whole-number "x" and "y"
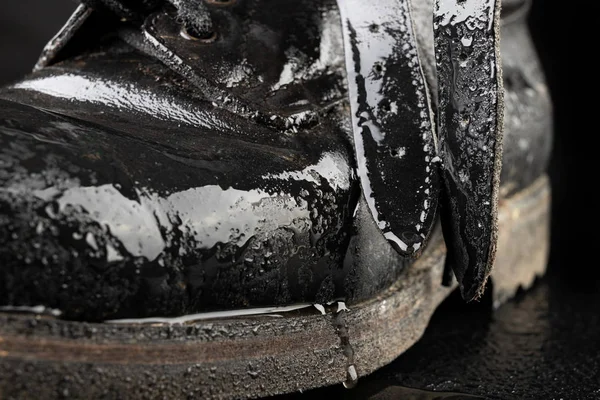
{"x": 544, "y": 344}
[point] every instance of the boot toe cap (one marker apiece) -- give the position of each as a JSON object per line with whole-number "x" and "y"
{"x": 100, "y": 225}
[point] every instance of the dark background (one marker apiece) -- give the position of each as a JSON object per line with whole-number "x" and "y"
{"x": 544, "y": 344}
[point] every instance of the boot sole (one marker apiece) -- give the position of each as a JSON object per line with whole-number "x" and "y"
{"x": 254, "y": 356}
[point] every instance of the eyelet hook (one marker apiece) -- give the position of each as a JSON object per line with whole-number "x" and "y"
{"x": 188, "y": 33}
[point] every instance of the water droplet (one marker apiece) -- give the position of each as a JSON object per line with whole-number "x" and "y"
{"x": 351, "y": 377}
{"x": 51, "y": 210}
{"x": 342, "y": 306}
{"x": 91, "y": 240}
{"x": 320, "y": 308}
{"x": 112, "y": 255}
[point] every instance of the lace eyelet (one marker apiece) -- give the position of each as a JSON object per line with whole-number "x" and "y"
{"x": 189, "y": 34}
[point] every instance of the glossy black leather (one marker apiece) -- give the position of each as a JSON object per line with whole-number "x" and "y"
{"x": 127, "y": 193}
{"x": 136, "y": 199}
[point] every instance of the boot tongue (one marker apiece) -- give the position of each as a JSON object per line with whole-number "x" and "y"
{"x": 470, "y": 118}
{"x": 393, "y": 134}
{"x": 392, "y": 120}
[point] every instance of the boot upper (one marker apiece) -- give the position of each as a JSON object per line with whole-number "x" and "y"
{"x": 129, "y": 188}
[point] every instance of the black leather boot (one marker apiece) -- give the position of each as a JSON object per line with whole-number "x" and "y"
{"x": 245, "y": 197}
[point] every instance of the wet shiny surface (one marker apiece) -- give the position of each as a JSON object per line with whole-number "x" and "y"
{"x": 470, "y": 122}
{"x": 394, "y": 141}
{"x": 143, "y": 197}
{"x": 96, "y": 224}
{"x": 567, "y": 366}
{"x": 143, "y": 200}
{"x": 544, "y": 344}
{"x": 149, "y": 197}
